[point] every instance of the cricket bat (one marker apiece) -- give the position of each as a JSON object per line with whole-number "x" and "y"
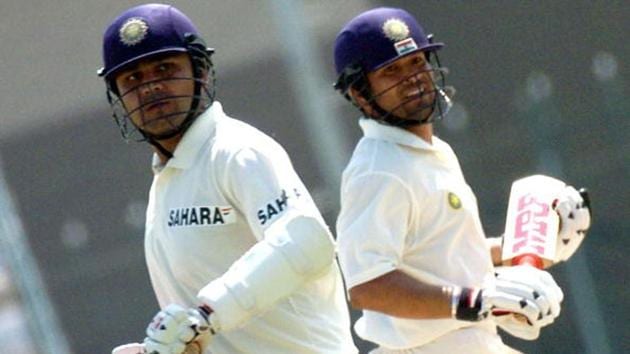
{"x": 531, "y": 226}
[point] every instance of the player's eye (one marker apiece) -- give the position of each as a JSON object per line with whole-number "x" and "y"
{"x": 419, "y": 61}
{"x": 391, "y": 70}
{"x": 165, "y": 68}
{"x": 132, "y": 78}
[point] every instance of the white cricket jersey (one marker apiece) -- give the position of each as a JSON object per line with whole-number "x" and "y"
{"x": 226, "y": 183}
{"x": 406, "y": 206}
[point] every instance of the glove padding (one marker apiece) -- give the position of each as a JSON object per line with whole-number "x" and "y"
{"x": 540, "y": 299}
{"x": 139, "y": 348}
{"x": 529, "y": 292}
{"x": 574, "y": 210}
{"x": 517, "y": 327}
{"x": 131, "y": 348}
{"x": 175, "y": 328}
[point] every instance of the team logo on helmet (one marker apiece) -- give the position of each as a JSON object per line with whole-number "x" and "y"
{"x": 454, "y": 201}
{"x": 395, "y": 29}
{"x": 133, "y": 31}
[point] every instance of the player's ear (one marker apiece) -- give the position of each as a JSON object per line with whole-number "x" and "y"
{"x": 112, "y": 85}
{"x": 204, "y": 75}
{"x": 360, "y": 101}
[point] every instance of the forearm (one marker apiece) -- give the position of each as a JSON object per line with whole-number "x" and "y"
{"x": 398, "y": 294}
{"x": 293, "y": 252}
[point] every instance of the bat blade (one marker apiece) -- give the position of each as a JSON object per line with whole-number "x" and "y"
{"x": 531, "y": 226}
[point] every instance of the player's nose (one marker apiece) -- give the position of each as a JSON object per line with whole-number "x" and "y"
{"x": 152, "y": 86}
{"x": 413, "y": 76}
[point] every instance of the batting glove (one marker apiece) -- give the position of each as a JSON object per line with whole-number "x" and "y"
{"x": 131, "y": 348}
{"x": 174, "y": 328}
{"x": 574, "y": 210}
{"x": 138, "y": 348}
{"x": 534, "y": 284}
{"x": 524, "y": 290}
{"x": 517, "y": 327}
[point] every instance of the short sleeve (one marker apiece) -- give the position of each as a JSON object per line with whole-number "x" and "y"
{"x": 264, "y": 186}
{"x": 375, "y": 217}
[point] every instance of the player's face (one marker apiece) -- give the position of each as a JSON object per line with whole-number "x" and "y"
{"x": 405, "y": 87}
{"x": 157, "y": 92}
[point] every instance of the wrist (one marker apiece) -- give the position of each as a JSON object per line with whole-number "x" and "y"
{"x": 467, "y": 304}
{"x": 454, "y": 293}
{"x": 205, "y": 310}
{"x": 207, "y": 313}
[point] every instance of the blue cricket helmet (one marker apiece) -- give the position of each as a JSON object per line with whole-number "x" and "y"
{"x": 143, "y": 31}
{"x": 376, "y": 38}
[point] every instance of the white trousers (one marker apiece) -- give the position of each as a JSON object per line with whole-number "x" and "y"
{"x": 469, "y": 340}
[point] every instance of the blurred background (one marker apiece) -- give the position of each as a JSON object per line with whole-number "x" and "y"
{"x": 542, "y": 88}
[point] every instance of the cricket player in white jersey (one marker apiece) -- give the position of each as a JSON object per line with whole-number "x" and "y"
{"x": 411, "y": 245}
{"x": 239, "y": 257}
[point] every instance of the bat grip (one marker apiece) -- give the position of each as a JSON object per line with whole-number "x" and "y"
{"x": 529, "y": 259}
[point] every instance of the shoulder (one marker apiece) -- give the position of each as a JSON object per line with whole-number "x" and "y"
{"x": 443, "y": 146}
{"x": 374, "y": 156}
{"x": 235, "y": 136}
{"x": 235, "y": 133}
{"x": 241, "y": 149}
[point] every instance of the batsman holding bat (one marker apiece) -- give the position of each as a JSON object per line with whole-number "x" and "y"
{"x": 411, "y": 245}
{"x": 239, "y": 257}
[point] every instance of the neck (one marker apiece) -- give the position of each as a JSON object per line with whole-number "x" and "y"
{"x": 169, "y": 145}
{"x": 424, "y": 131}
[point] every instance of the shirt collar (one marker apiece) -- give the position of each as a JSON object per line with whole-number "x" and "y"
{"x": 199, "y": 132}
{"x": 375, "y": 130}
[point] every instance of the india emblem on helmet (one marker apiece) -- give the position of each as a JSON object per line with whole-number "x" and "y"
{"x": 133, "y": 31}
{"x": 395, "y": 29}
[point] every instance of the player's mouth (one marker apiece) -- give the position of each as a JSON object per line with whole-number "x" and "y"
{"x": 158, "y": 105}
{"x": 156, "y": 102}
{"x": 417, "y": 95}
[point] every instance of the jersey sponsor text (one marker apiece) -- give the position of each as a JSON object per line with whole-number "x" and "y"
{"x": 200, "y": 216}
{"x": 277, "y": 206}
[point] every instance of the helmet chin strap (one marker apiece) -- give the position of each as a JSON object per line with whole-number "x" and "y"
{"x": 159, "y": 147}
{"x": 154, "y": 139}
